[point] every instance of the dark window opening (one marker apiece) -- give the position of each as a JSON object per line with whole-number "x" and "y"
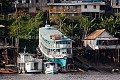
{"x": 102, "y": 7}
{"x": 85, "y": 6}
{"x": 94, "y": 6}
{"x": 35, "y": 66}
{"x": 37, "y": 1}
{"x": 117, "y": 2}
{"x": 20, "y": 1}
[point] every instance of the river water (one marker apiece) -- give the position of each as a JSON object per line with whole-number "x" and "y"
{"x": 91, "y": 75}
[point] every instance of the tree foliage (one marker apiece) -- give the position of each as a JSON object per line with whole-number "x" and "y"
{"x": 24, "y": 26}
{"x": 86, "y": 25}
{"x": 59, "y": 20}
{"x": 111, "y": 24}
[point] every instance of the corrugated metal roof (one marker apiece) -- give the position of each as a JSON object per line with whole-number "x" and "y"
{"x": 46, "y": 32}
{"x": 95, "y": 34}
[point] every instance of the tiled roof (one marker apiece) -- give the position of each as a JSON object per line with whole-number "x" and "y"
{"x": 95, "y": 34}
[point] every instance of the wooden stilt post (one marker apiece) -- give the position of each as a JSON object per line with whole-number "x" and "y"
{"x": 118, "y": 55}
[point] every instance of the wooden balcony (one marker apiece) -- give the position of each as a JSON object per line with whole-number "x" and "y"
{"x": 65, "y": 10}
{"x": 107, "y": 47}
{"x": 110, "y": 47}
{"x": 26, "y": 5}
{"x": 102, "y": 11}
{"x": 21, "y": 5}
{"x": 112, "y": 43}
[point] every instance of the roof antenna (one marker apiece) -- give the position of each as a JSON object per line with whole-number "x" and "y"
{"x": 46, "y": 26}
{"x": 24, "y": 49}
{"x": 46, "y": 22}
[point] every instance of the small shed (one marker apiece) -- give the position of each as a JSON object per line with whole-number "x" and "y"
{"x": 101, "y": 39}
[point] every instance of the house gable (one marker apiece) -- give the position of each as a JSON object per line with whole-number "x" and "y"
{"x": 105, "y": 34}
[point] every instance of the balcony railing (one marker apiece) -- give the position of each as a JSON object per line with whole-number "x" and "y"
{"x": 26, "y": 5}
{"x": 102, "y": 11}
{"x": 54, "y": 45}
{"x": 64, "y": 46}
{"x": 65, "y": 10}
{"x": 109, "y": 47}
{"x": 19, "y": 60}
{"x": 21, "y": 5}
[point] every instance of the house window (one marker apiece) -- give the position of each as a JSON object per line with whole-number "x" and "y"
{"x": 94, "y": 6}
{"x": 117, "y": 2}
{"x": 27, "y": 1}
{"x": 85, "y": 6}
{"x": 79, "y": 6}
{"x": 36, "y": 66}
{"x": 48, "y": 1}
{"x": 20, "y": 1}
{"x": 37, "y": 1}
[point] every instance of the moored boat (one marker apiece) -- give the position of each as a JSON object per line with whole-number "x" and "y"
{"x": 55, "y": 46}
{"x": 28, "y": 63}
{"x": 7, "y": 71}
{"x": 50, "y": 68}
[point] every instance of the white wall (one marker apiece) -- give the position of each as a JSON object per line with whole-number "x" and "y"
{"x": 114, "y": 2}
{"x": 40, "y": 65}
{"x": 90, "y": 8}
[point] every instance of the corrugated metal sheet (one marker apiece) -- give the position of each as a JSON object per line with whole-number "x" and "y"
{"x": 95, "y": 34}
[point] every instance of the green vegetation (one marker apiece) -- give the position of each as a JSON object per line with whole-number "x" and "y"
{"x": 82, "y": 26}
{"x": 26, "y": 26}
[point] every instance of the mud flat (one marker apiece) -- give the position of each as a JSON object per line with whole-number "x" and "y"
{"x": 90, "y": 75}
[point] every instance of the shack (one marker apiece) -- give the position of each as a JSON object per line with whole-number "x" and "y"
{"x": 102, "y": 46}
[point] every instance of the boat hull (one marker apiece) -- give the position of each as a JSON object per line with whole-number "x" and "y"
{"x": 61, "y": 61}
{"x": 31, "y": 71}
{"x": 51, "y": 72}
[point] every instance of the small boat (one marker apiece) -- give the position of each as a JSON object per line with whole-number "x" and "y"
{"x": 50, "y": 68}
{"x": 7, "y": 71}
{"x": 28, "y": 63}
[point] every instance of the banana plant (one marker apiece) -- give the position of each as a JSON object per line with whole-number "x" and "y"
{"x": 86, "y": 25}
{"x": 111, "y": 24}
{"x": 59, "y": 20}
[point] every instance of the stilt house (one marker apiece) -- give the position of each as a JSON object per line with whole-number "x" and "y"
{"x": 101, "y": 39}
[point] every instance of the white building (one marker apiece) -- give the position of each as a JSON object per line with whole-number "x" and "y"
{"x": 116, "y": 6}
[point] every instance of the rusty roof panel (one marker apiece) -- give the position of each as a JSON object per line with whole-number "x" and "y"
{"x": 95, "y": 34}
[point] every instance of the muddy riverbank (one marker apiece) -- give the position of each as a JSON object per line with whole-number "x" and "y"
{"x": 90, "y": 75}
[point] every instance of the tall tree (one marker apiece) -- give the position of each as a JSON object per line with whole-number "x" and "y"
{"x": 111, "y": 24}
{"x": 59, "y": 20}
{"x": 25, "y": 25}
{"x": 68, "y": 29}
{"x": 86, "y": 25}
